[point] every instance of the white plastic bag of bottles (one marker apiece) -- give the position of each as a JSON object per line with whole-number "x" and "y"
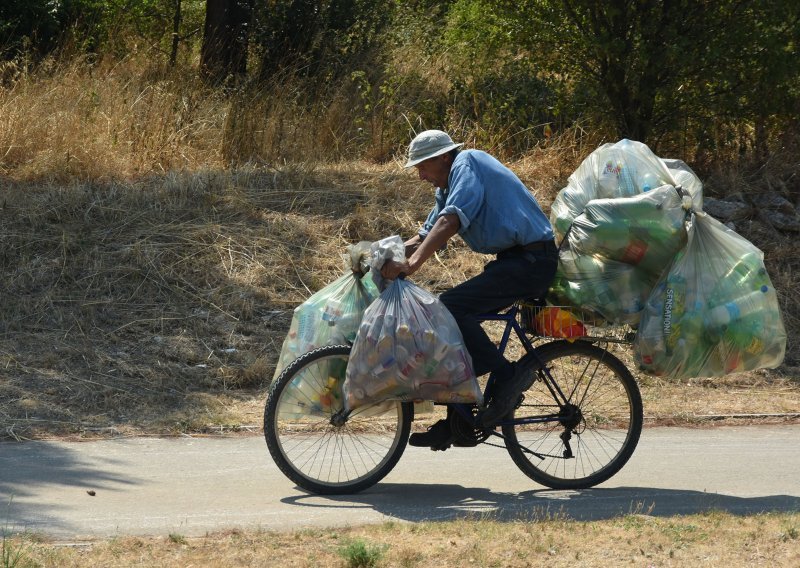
{"x": 617, "y": 249}
{"x": 623, "y": 169}
{"x": 714, "y": 312}
{"x": 332, "y": 315}
{"x": 408, "y": 348}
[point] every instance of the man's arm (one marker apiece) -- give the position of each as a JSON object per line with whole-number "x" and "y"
{"x": 412, "y": 245}
{"x": 445, "y": 227}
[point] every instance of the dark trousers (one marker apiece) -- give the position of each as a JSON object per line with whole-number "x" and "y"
{"x": 514, "y": 275}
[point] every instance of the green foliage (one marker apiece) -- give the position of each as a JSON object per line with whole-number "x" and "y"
{"x": 26, "y": 24}
{"x": 11, "y": 554}
{"x": 94, "y": 26}
{"x": 664, "y": 69}
{"x": 317, "y": 37}
{"x": 704, "y": 78}
{"x": 177, "y": 538}
{"x": 359, "y": 554}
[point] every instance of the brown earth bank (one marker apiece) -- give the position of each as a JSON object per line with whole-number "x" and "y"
{"x": 158, "y": 306}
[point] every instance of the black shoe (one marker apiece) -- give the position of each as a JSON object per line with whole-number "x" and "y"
{"x": 506, "y": 395}
{"x": 438, "y": 437}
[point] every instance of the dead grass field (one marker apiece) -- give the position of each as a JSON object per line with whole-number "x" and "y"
{"x": 148, "y": 277}
{"x": 712, "y": 539}
{"x": 159, "y": 306}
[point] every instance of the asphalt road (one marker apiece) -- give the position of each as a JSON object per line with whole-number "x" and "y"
{"x": 192, "y": 486}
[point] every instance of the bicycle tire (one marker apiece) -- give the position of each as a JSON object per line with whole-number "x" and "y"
{"x": 317, "y": 455}
{"x": 610, "y": 423}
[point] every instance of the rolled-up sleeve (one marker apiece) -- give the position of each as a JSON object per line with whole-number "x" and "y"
{"x": 466, "y": 195}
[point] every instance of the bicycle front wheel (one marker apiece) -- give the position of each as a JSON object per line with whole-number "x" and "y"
{"x": 597, "y": 428}
{"x": 316, "y": 452}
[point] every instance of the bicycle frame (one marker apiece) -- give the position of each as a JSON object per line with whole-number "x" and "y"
{"x": 509, "y": 317}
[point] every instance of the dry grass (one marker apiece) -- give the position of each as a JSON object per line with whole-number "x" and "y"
{"x": 148, "y": 284}
{"x": 711, "y": 539}
{"x": 160, "y": 305}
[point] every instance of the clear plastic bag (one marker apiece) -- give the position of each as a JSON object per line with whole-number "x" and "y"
{"x": 616, "y": 250}
{"x": 624, "y": 169}
{"x": 408, "y": 347}
{"x": 714, "y": 312}
{"x": 332, "y": 315}
{"x": 612, "y": 290}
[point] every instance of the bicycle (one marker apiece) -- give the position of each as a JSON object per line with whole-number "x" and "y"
{"x": 575, "y": 427}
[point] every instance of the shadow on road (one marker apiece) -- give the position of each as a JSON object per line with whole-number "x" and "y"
{"x": 31, "y": 466}
{"x": 417, "y": 502}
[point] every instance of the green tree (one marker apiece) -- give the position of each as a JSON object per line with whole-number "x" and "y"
{"x": 317, "y": 36}
{"x": 28, "y": 25}
{"x": 649, "y": 63}
{"x": 37, "y": 27}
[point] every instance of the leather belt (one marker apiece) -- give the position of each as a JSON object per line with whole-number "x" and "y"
{"x": 538, "y": 246}
{"x": 535, "y": 247}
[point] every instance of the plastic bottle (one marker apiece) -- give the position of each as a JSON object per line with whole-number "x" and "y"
{"x": 605, "y": 300}
{"x": 745, "y": 339}
{"x": 428, "y": 340}
{"x": 626, "y": 186}
{"x": 608, "y": 180}
{"x": 332, "y": 311}
{"x": 306, "y": 323}
{"x": 648, "y": 181}
{"x": 748, "y": 271}
{"x": 403, "y": 334}
{"x": 635, "y": 251}
{"x": 609, "y": 238}
{"x": 751, "y": 302}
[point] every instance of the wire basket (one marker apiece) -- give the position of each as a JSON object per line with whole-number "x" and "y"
{"x": 569, "y": 322}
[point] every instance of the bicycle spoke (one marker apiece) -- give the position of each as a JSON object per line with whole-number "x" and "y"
{"x": 314, "y": 452}
{"x": 602, "y": 418}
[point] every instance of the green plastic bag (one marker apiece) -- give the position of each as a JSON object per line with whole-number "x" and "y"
{"x": 616, "y": 251}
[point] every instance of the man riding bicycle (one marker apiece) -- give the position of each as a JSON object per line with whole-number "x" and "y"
{"x": 485, "y": 203}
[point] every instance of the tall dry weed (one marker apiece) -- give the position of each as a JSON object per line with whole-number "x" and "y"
{"x": 74, "y": 119}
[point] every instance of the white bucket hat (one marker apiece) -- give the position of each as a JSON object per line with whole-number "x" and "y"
{"x": 429, "y": 144}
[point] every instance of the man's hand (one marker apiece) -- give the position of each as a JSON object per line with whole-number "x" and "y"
{"x": 445, "y": 227}
{"x": 391, "y": 269}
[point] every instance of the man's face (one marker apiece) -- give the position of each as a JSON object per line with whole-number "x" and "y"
{"x": 435, "y": 170}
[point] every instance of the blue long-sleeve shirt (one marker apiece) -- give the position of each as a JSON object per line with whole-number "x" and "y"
{"x": 495, "y": 208}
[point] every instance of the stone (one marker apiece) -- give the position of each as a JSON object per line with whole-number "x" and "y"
{"x": 726, "y": 210}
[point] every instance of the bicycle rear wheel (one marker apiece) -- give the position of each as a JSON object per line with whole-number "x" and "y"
{"x": 318, "y": 455}
{"x": 598, "y": 428}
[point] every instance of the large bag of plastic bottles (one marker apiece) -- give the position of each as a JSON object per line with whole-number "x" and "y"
{"x": 616, "y": 250}
{"x": 623, "y": 169}
{"x": 619, "y": 222}
{"x": 408, "y": 346}
{"x": 715, "y": 310}
{"x": 332, "y": 315}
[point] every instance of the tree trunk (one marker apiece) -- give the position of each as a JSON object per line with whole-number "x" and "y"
{"x": 225, "y": 39}
{"x": 176, "y": 29}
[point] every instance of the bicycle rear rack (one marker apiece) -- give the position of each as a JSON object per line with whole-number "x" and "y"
{"x": 572, "y": 323}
